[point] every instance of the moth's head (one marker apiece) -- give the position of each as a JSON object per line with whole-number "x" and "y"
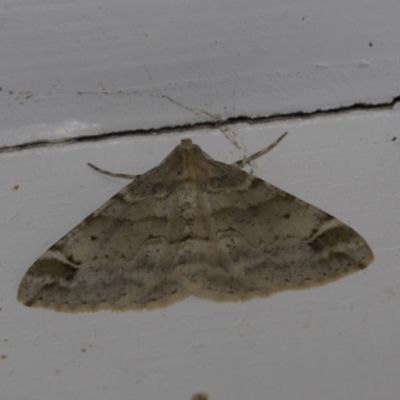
{"x": 190, "y": 152}
{"x": 187, "y": 144}
{"x": 187, "y": 148}
{"x": 186, "y": 160}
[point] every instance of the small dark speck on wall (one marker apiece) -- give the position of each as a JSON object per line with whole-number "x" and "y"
{"x": 200, "y": 396}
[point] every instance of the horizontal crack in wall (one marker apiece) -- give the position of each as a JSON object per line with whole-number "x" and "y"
{"x": 202, "y": 125}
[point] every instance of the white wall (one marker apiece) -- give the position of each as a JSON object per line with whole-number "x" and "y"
{"x": 107, "y": 66}
{"x": 72, "y": 69}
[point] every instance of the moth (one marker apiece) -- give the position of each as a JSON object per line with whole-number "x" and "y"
{"x": 193, "y": 225}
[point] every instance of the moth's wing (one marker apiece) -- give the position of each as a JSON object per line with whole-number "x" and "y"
{"x": 116, "y": 258}
{"x": 264, "y": 240}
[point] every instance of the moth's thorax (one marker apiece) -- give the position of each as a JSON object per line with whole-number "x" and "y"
{"x": 188, "y": 197}
{"x": 190, "y": 205}
{"x": 187, "y": 163}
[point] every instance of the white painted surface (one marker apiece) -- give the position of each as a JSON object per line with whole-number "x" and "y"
{"x": 72, "y": 69}
{"x": 335, "y": 342}
{"x": 102, "y": 66}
